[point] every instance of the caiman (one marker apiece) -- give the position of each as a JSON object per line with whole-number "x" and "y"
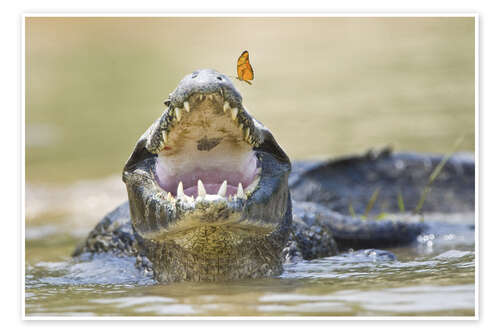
{"x": 213, "y": 197}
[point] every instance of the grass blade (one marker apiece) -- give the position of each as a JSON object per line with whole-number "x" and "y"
{"x": 371, "y": 202}
{"x": 351, "y": 210}
{"x": 437, "y": 170}
{"x": 401, "y": 203}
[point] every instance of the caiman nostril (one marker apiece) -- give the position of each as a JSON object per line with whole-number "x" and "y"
{"x": 194, "y": 75}
{"x": 219, "y": 78}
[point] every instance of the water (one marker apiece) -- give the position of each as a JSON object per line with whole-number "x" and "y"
{"x": 433, "y": 277}
{"x": 424, "y": 285}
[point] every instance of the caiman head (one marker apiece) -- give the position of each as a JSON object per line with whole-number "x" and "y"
{"x": 208, "y": 187}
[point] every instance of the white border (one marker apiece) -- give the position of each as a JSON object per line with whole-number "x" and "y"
{"x": 23, "y": 166}
{"x": 239, "y": 14}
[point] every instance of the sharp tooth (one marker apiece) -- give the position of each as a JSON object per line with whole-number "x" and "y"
{"x": 253, "y": 185}
{"x": 240, "y": 193}
{"x": 164, "y": 134}
{"x": 234, "y": 113}
{"x": 169, "y": 196}
{"x": 222, "y": 189}
{"x": 180, "y": 190}
{"x": 211, "y": 97}
{"x": 178, "y": 114}
{"x": 186, "y": 106}
{"x": 227, "y": 107}
{"x": 247, "y": 133}
{"x": 200, "y": 97}
{"x": 201, "y": 189}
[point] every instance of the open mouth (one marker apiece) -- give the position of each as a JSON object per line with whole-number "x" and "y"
{"x": 206, "y": 149}
{"x": 207, "y": 162}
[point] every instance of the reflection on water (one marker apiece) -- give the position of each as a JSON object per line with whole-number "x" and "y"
{"x": 435, "y": 279}
{"x": 102, "y": 269}
{"x": 390, "y": 301}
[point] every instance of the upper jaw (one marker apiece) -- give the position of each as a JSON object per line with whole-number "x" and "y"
{"x": 206, "y": 147}
{"x": 183, "y": 101}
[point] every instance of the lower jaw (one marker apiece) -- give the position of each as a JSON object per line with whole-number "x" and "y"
{"x": 214, "y": 255}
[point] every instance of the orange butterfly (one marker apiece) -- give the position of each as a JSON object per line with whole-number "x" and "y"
{"x": 244, "y": 69}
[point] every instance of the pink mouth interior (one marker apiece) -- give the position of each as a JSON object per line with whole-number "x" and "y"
{"x": 212, "y": 177}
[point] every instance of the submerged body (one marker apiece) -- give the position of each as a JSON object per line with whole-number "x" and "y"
{"x": 209, "y": 194}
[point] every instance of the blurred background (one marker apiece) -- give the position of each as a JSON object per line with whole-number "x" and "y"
{"x": 324, "y": 86}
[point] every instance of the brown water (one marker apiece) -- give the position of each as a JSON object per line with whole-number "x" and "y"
{"x": 324, "y": 86}
{"x": 425, "y": 285}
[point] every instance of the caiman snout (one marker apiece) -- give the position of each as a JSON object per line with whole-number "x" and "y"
{"x": 204, "y": 81}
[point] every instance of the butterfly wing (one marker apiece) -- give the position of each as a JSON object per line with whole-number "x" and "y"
{"x": 244, "y": 69}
